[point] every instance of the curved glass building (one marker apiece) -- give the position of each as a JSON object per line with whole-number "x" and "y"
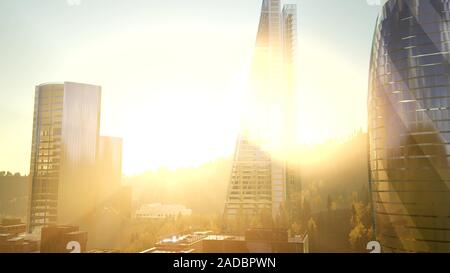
{"x": 409, "y": 126}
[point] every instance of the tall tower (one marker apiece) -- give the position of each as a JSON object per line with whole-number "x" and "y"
{"x": 63, "y": 156}
{"x": 258, "y": 183}
{"x": 409, "y": 125}
{"x": 293, "y": 175}
{"x": 109, "y": 168}
{"x": 111, "y": 204}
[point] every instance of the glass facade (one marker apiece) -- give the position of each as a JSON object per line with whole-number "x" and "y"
{"x": 46, "y": 155}
{"x": 64, "y": 145}
{"x": 409, "y": 126}
{"x": 289, "y": 38}
{"x": 259, "y": 173}
{"x": 250, "y": 188}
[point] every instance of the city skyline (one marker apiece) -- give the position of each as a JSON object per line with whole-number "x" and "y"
{"x": 137, "y": 78}
{"x": 270, "y": 126}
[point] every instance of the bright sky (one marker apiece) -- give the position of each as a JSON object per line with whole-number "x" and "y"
{"x": 173, "y": 72}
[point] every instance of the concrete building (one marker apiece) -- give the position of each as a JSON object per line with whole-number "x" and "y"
{"x": 56, "y": 239}
{"x": 13, "y": 238}
{"x": 254, "y": 241}
{"x": 12, "y": 226}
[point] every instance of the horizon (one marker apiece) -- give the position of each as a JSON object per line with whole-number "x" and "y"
{"x": 306, "y": 148}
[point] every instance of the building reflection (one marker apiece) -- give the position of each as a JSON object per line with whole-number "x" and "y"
{"x": 409, "y": 126}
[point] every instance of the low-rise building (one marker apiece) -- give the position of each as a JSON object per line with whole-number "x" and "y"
{"x": 13, "y": 238}
{"x": 254, "y": 241}
{"x": 103, "y": 251}
{"x": 12, "y": 226}
{"x": 58, "y": 239}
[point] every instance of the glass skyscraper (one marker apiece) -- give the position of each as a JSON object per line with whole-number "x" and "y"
{"x": 260, "y": 173}
{"x": 293, "y": 175}
{"x": 409, "y": 126}
{"x": 63, "y": 156}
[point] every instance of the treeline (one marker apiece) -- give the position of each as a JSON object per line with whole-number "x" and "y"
{"x": 6, "y": 173}
{"x": 13, "y": 195}
{"x": 201, "y": 189}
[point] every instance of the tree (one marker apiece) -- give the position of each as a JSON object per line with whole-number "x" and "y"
{"x": 357, "y": 236}
{"x": 312, "y": 231}
{"x": 306, "y": 213}
{"x": 312, "y": 226}
{"x": 365, "y": 194}
{"x": 329, "y": 203}
{"x": 361, "y": 231}
{"x": 283, "y": 218}
{"x": 370, "y": 234}
{"x": 296, "y": 229}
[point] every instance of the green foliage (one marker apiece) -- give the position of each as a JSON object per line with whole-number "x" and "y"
{"x": 361, "y": 231}
{"x": 335, "y": 196}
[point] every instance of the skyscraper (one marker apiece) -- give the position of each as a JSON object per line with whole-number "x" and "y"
{"x": 112, "y": 200}
{"x": 409, "y": 126}
{"x": 63, "y": 156}
{"x": 293, "y": 175}
{"x": 109, "y": 168}
{"x": 259, "y": 173}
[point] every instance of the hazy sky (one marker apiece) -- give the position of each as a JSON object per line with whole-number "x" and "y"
{"x": 172, "y": 71}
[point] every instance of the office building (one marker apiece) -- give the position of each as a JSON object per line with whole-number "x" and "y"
{"x": 112, "y": 200}
{"x": 293, "y": 174}
{"x": 109, "y": 168}
{"x": 409, "y": 126}
{"x": 63, "y": 156}
{"x": 261, "y": 168}
{"x": 57, "y": 239}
